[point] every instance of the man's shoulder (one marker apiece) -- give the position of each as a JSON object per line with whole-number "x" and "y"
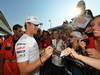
{"x": 22, "y": 40}
{"x": 24, "y": 37}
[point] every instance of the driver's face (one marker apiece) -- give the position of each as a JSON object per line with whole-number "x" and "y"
{"x": 33, "y": 28}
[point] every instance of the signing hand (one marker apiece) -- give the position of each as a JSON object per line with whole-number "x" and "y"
{"x": 48, "y": 51}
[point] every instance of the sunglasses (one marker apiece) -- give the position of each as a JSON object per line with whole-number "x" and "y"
{"x": 71, "y": 36}
{"x": 36, "y": 24}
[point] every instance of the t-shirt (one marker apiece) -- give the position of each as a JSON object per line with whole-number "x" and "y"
{"x": 56, "y": 59}
{"x": 27, "y": 50}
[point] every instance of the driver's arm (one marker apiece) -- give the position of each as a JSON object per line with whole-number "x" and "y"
{"x": 24, "y": 65}
{"x": 26, "y": 68}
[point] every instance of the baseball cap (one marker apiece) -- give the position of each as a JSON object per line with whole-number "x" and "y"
{"x": 33, "y": 20}
{"x": 76, "y": 34}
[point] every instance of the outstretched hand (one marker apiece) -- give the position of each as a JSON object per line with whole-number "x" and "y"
{"x": 71, "y": 52}
{"x": 66, "y": 52}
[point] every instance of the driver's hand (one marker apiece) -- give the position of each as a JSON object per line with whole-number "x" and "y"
{"x": 48, "y": 51}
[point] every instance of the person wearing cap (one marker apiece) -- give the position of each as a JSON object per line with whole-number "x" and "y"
{"x": 27, "y": 50}
{"x": 92, "y": 61}
{"x": 78, "y": 46}
{"x": 75, "y": 40}
{"x": 76, "y": 34}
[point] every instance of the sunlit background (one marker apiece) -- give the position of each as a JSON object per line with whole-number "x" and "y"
{"x": 51, "y": 12}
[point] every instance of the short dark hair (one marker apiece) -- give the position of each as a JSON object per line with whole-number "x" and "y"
{"x": 65, "y": 22}
{"x": 56, "y": 30}
{"x": 44, "y": 31}
{"x": 16, "y": 26}
{"x": 88, "y": 11}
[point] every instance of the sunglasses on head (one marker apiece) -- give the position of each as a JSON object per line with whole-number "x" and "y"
{"x": 71, "y": 36}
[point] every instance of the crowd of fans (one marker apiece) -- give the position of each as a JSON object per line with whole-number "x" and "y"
{"x": 80, "y": 44}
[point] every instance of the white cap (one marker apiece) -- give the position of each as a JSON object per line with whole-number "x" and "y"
{"x": 32, "y": 19}
{"x": 76, "y": 34}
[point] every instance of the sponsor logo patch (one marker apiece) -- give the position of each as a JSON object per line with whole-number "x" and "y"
{"x": 21, "y": 44}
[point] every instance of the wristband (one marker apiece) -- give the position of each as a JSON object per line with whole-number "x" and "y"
{"x": 41, "y": 61}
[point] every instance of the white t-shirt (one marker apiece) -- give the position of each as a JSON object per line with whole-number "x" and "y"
{"x": 56, "y": 59}
{"x": 27, "y": 50}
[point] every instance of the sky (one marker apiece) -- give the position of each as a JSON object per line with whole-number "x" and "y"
{"x": 52, "y": 13}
